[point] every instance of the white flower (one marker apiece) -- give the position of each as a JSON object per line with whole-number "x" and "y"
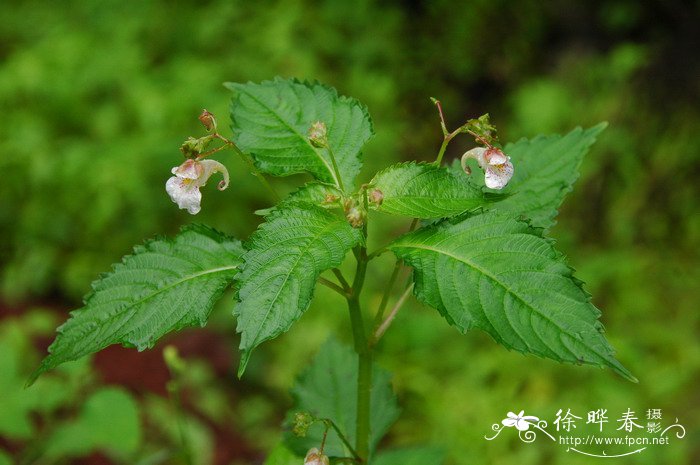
{"x": 315, "y": 457}
{"x": 496, "y": 165}
{"x": 522, "y": 423}
{"x": 183, "y": 188}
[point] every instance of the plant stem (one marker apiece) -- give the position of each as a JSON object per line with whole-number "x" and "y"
{"x": 381, "y": 329}
{"x": 341, "y": 279}
{"x": 445, "y": 143}
{"x": 364, "y": 354}
{"x": 387, "y": 292}
{"x": 247, "y": 160}
{"x": 343, "y": 439}
{"x": 332, "y": 285}
{"x": 335, "y": 168}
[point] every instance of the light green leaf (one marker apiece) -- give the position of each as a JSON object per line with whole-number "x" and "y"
{"x": 328, "y": 389}
{"x": 423, "y": 190}
{"x": 271, "y": 120}
{"x": 546, "y": 168}
{"x": 410, "y": 456}
{"x": 285, "y": 258}
{"x": 500, "y": 275}
{"x": 164, "y": 286}
{"x": 109, "y": 420}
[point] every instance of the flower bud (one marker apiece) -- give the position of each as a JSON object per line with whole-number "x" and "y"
{"x": 192, "y": 147}
{"x": 356, "y": 217}
{"x": 376, "y": 197}
{"x": 302, "y": 422}
{"x": 318, "y": 134}
{"x": 315, "y": 457}
{"x": 330, "y": 199}
{"x": 208, "y": 120}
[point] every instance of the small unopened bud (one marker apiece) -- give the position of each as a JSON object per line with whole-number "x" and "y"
{"x": 208, "y": 120}
{"x": 315, "y": 457}
{"x": 331, "y": 198}
{"x": 376, "y": 196}
{"x": 192, "y": 147}
{"x": 318, "y": 134}
{"x": 302, "y": 422}
{"x": 356, "y": 217}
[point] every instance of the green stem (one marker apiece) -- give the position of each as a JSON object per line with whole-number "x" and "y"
{"x": 341, "y": 279}
{"x": 335, "y": 168}
{"x": 443, "y": 147}
{"x": 381, "y": 329}
{"x": 387, "y": 292}
{"x": 332, "y": 285}
{"x": 343, "y": 439}
{"x": 364, "y": 353}
{"x": 253, "y": 169}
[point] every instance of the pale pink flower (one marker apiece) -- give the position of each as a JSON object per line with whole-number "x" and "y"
{"x": 183, "y": 188}
{"x": 496, "y": 165}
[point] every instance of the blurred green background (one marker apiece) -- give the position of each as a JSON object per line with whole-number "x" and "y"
{"x": 96, "y": 97}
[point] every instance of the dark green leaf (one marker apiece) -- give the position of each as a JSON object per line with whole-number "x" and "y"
{"x": 500, "y": 275}
{"x": 164, "y": 286}
{"x": 423, "y": 190}
{"x": 285, "y": 258}
{"x": 271, "y": 120}
{"x": 546, "y": 168}
{"x": 328, "y": 389}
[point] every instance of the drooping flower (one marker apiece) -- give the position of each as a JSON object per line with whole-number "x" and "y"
{"x": 183, "y": 188}
{"x": 315, "y": 457}
{"x": 497, "y": 167}
{"x": 522, "y": 423}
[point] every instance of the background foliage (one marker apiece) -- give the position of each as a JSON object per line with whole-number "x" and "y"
{"x": 97, "y": 97}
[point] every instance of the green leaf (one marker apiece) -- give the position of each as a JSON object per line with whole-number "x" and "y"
{"x": 410, "y": 456}
{"x": 328, "y": 390}
{"x": 423, "y": 190}
{"x": 311, "y": 193}
{"x": 546, "y": 168}
{"x": 500, "y": 275}
{"x": 164, "y": 286}
{"x": 271, "y": 120}
{"x": 285, "y": 257}
{"x": 109, "y": 420}
{"x": 280, "y": 455}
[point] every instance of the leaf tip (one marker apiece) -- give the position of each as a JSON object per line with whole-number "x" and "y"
{"x": 245, "y": 358}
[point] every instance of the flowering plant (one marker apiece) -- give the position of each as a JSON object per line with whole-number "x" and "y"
{"x": 476, "y": 245}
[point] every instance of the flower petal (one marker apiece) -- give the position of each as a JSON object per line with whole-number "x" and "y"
{"x": 497, "y": 176}
{"x": 190, "y": 169}
{"x": 185, "y": 193}
{"x": 495, "y": 157}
